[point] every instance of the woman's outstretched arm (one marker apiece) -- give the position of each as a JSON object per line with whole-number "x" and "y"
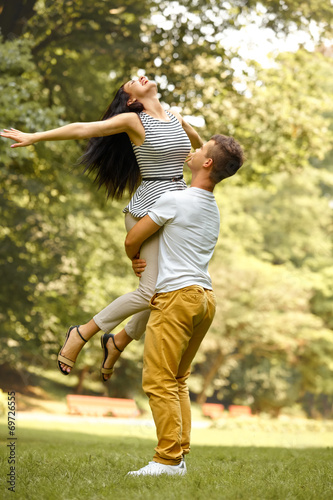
{"x": 125, "y": 122}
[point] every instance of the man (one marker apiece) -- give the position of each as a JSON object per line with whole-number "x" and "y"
{"x": 183, "y": 306}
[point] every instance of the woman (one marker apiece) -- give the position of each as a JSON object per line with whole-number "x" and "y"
{"x": 135, "y": 138}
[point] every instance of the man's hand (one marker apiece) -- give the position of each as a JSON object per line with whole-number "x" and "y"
{"x": 138, "y": 265}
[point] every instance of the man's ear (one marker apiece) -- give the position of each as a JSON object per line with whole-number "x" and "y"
{"x": 208, "y": 163}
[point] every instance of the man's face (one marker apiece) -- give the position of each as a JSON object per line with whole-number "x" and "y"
{"x": 197, "y": 159}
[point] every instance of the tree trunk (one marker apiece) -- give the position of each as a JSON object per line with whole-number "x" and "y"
{"x": 82, "y": 375}
{"x": 14, "y": 16}
{"x": 201, "y": 398}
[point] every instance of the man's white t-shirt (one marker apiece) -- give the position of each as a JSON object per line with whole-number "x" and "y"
{"x": 191, "y": 223}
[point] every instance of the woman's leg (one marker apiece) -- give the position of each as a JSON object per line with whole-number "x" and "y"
{"x": 138, "y": 300}
{"x": 121, "y": 308}
{"x": 123, "y": 338}
{"x": 136, "y": 327}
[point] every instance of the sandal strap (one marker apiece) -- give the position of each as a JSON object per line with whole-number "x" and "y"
{"x": 112, "y": 336}
{"x": 66, "y": 361}
{"x": 107, "y": 371}
{"x": 78, "y": 331}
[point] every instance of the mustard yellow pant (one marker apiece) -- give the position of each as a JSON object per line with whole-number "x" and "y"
{"x": 178, "y": 322}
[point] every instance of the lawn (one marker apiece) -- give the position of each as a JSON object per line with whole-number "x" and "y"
{"x": 88, "y": 459}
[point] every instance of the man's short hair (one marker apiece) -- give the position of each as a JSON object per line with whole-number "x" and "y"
{"x": 227, "y": 156}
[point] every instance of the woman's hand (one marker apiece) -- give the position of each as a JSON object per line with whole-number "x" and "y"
{"x": 138, "y": 265}
{"x": 189, "y": 157}
{"x": 21, "y": 138}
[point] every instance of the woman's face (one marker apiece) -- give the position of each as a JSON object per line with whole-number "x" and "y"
{"x": 140, "y": 87}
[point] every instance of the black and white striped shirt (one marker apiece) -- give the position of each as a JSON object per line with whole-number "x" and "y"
{"x": 162, "y": 155}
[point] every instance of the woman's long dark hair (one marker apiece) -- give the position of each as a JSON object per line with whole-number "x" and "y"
{"x": 111, "y": 158}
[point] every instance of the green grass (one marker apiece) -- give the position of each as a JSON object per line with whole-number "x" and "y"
{"x": 85, "y": 460}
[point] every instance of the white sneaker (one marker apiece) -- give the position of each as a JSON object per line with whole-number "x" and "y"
{"x": 156, "y": 469}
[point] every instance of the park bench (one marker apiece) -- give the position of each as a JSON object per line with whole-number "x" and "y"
{"x": 215, "y": 411}
{"x": 212, "y": 410}
{"x": 239, "y": 411}
{"x": 101, "y": 406}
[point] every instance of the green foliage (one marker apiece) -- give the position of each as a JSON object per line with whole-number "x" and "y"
{"x": 29, "y": 240}
{"x": 278, "y": 116}
{"x": 289, "y": 223}
{"x": 76, "y": 46}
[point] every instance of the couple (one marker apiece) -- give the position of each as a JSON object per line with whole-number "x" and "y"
{"x": 183, "y": 306}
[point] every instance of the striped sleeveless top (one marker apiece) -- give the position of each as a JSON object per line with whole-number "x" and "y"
{"x": 161, "y": 155}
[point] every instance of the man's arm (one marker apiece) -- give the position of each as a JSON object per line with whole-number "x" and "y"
{"x": 138, "y": 234}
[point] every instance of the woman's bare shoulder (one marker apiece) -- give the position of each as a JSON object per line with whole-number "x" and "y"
{"x": 176, "y": 113}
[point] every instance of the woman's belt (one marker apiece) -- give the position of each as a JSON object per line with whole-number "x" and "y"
{"x": 172, "y": 179}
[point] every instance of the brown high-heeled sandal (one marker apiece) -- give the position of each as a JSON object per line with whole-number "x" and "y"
{"x": 104, "y": 339}
{"x": 61, "y": 358}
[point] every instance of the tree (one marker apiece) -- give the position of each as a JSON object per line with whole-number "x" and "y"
{"x": 14, "y": 16}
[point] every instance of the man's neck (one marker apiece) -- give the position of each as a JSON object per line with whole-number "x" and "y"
{"x": 202, "y": 182}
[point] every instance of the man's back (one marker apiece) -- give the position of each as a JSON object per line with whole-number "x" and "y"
{"x": 191, "y": 225}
